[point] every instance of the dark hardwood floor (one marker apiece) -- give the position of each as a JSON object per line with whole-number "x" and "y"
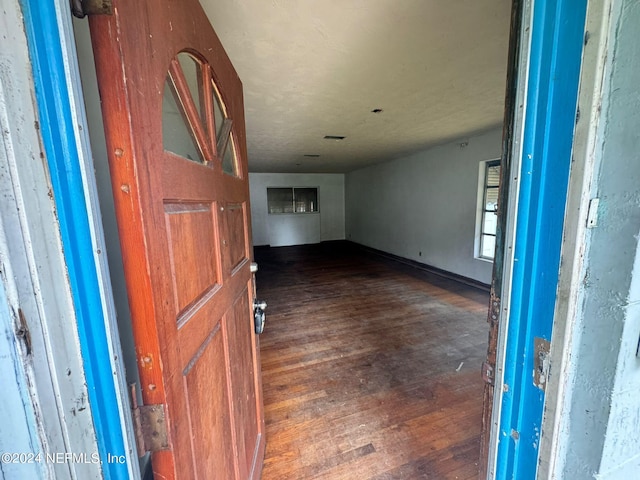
{"x": 371, "y": 369}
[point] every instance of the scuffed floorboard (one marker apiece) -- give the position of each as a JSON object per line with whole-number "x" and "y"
{"x": 371, "y": 369}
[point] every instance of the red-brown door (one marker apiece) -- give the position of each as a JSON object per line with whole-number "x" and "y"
{"x": 174, "y": 121}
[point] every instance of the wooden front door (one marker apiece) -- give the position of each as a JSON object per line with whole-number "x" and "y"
{"x": 174, "y": 122}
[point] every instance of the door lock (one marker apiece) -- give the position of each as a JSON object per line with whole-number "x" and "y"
{"x": 541, "y": 349}
{"x": 259, "y": 316}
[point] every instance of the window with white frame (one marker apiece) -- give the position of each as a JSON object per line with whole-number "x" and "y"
{"x": 488, "y": 218}
{"x": 292, "y": 200}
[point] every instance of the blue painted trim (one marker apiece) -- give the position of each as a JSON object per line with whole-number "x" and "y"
{"x": 552, "y": 91}
{"x": 56, "y": 125}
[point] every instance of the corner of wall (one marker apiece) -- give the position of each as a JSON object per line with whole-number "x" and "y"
{"x": 423, "y": 206}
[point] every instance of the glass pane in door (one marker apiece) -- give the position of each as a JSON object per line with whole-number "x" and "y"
{"x": 177, "y": 135}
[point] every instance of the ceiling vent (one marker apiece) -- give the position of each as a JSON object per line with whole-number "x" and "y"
{"x": 311, "y": 155}
{"x": 333, "y": 137}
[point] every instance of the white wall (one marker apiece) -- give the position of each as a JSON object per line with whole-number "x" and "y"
{"x": 423, "y": 206}
{"x": 297, "y": 229}
{"x": 600, "y": 406}
{"x": 16, "y": 409}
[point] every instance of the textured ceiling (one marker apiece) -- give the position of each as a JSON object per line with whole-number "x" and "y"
{"x": 312, "y": 68}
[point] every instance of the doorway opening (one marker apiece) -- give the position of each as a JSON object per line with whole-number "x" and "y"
{"x": 132, "y": 368}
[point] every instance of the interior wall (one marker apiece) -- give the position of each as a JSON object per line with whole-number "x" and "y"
{"x": 423, "y": 206}
{"x": 297, "y": 229}
{"x": 599, "y": 431}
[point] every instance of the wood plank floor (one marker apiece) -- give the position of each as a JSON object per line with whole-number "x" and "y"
{"x": 371, "y": 369}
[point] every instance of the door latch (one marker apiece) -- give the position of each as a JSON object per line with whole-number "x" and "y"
{"x": 487, "y": 373}
{"x": 82, "y": 8}
{"x": 259, "y": 316}
{"x": 541, "y": 349}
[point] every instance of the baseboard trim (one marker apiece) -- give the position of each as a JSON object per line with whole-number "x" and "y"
{"x": 425, "y": 267}
{"x": 396, "y": 258}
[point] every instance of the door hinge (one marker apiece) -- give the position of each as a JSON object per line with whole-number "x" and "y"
{"x": 541, "y": 349}
{"x": 149, "y": 426}
{"x": 82, "y": 8}
{"x": 22, "y": 331}
{"x": 487, "y": 373}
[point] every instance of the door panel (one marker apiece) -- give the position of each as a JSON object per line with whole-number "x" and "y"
{"x": 244, "y": 394}
{"x": 208, "y": 411}
{"x": 192, "y": 255}
{"x": 237, "y": 242}
{"x": 174, "y": 123}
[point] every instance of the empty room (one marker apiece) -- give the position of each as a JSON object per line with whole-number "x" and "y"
{"x": 374, "y": 136}
{"x": 373, "y": 140}
{"x": 328, "y": 240}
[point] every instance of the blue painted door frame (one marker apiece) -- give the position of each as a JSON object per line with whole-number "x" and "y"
{"x": 557, "y": 36}
{"x": 57, "y": 126}
{"x": 552, "y": 90}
